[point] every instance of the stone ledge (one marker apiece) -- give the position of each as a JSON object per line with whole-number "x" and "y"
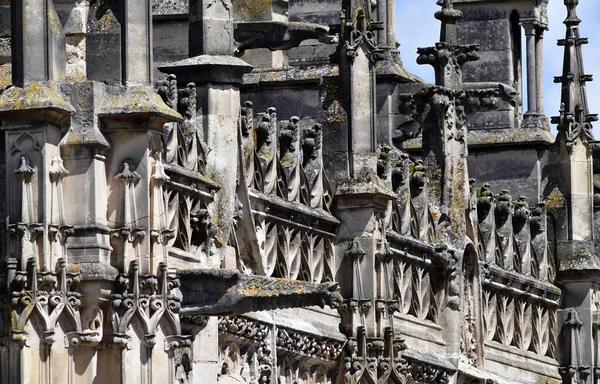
{"x": 208, "y": 69}
{"x": 135, "y": 101}
{"x": 394, "y": 70}
{"x": 277, "y": 204}
{"x": 311, "y": 324}
{"x": 512, "y": 281}
{"x": 293, "y": 75}
{"x": 368, "y": 185}
{"x": 34, "y": 96}
{"x": 529, "y": 366}
{"x": 577, "y": 256}
{"x": 418, "y": 355}
{"x": 498, "y": 138}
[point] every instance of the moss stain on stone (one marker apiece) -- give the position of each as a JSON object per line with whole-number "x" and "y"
{"x": 252, "y": 10}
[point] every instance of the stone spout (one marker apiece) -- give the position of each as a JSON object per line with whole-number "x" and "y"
{"x": 507, "y": 93}
{"x": 277, "y": 35}
{"x": 229, "y": 292}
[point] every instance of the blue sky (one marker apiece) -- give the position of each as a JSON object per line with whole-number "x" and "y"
{"x": 416, "y": 27}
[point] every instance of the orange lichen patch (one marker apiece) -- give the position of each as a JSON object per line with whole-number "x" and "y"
{"x": 265, "y": 287}
{"x": 253, "y": 10}
{"x": 137, "y": 100}
{"x": 555, "y": 200}
{"x": 5, "y": 75}
{"x": 335, "y": 113}
{"x": 107, "y": 21}
{"x": 54, "y": 21}
{"x": 35, "y": 95}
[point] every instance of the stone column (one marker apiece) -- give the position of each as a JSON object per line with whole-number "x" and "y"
{"x": 444, "y": 111}
{"x": 390, "y": 24}
{"x": 362, "y": 197}
{"x": 211, "y": 28}
{"x": 33, "y": 114}
{"x": 530, "y": 37}
{"x": 539, "y": 68}
{"x": 38, "y": 42}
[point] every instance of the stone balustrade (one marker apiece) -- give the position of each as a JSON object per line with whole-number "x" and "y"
{"x": 289, "y": 195}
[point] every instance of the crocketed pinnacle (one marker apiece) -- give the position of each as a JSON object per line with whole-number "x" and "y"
{"x": 448, "y": 16}
{"x": 574, "y": 120}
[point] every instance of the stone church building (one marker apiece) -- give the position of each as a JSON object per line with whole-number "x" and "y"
{"x": 257, "y": 191}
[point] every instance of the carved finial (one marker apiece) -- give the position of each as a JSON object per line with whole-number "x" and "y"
{"x": 572, "y": 18}
{"x": 288, "y": 136}
{"x": 311, "y": 142}
{"x": 247, "y": 118}
{"x": 383, "y": 162}
{"x": 24, "y": 169}
{"x": 355, "y": 249}
{"x": 263, "y": 131}
{"x": 57, "y": 170}
{"x": 127, "y": 175}
{"x": 159, "y": 170}
{"x": 448, "y": 16}
{"x": 187, "y": 101}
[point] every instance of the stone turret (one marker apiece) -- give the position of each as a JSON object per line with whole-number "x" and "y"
{"x": 502, "y": 31}
{"x": 571, "y": 190}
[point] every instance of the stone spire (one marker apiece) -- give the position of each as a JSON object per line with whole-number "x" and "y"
{"x": 573, "y": 186}
{"x": 443, "y": 111}
{"x": 448, "y": 57}
{"x": 575, "y": 133}
{"x": 575, "y": 120}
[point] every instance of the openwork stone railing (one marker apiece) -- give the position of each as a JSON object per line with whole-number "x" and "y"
{"x": 411, "y": 213}
{"x": 418, "y": 268}
{"x": 246, "y": 353}
{"x": 419, "y": 275}
{"x": 289, "y": 195}
{"x": 509, "y": 265}
{"x": 519, "y": 301}
{"x": 183, "y": 222}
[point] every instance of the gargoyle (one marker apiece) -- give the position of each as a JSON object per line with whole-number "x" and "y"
{"x": 510, "y": 94}
{"x": 473, "y": 97}
{"x": 277, "y": 35}
{"x": 229, "y": 292}
{"x": 203, "y": 230}
{"x": 411, "y": 129}
{"x": 506, "y": 92}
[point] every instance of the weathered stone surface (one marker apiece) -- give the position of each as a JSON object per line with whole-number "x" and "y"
{"x": 306, "y": 212}
{"x": 170, "y": 7}
{"x": 231, "y": 293}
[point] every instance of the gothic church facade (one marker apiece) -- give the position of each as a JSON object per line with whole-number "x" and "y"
{"x": 257, "y": 191}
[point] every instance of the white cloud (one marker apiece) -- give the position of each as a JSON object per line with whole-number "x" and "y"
{"x": 416, "y": 27}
